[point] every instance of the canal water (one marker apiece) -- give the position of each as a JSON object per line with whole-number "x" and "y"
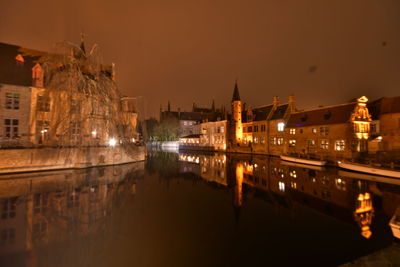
{"x": 195, "y": 210}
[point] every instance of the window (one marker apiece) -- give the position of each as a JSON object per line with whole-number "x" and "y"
{"x": 222, "y": 129}
{"x": 314, "y": 130}
{"x": 262, "y": 140}
{"x": 373, "y": 127}
{"x": 40, "y": 203}
{"x": 280, "y": 141}
{"x": 339, "y": 145}
{"x": 311, "y": 142}
{"x": 262, "y": 127}
{"x": 292, "y": 131}
{"x": 8, "y": 207}
{"x": 292, "y": 143}
{"x": 250, "y": 129}
{"x": 324, "y": 144}
{"x": 281, "y": 126}
{"x": 273, "y": 140}
{"x": 76, "y": 107}
{"x": 11, "y": 128}
{"x": 256, "y": 140}
{"x": 7, "y": 236}
{"x": 324, "y": 131}
{"x": 43, "y": 103}
{"x": 12, "y": 101}
{"x": 255, "y": 128}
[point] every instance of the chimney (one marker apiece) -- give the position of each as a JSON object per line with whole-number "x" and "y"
{"x": 276, "y": 101}
{"x": 292, "y": 104}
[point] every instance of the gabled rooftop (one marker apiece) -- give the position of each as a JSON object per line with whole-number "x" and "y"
{"x": 16, "y": 64}
{"x": 325, "y": 115}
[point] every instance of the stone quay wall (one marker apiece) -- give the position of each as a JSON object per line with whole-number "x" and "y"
{"x": 37, "y": 159}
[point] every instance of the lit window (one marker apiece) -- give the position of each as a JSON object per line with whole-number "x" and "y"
{"x": 262, "y": 140}
{"x": 256, "y": 140}
{"x": 281, "y": 126}
{"x": 292, "y": 143}
{"x": 324, "y": 144}
{"x": 280, "y": 141}
{"x": 273, "y": 140}
{"x": 339, "y": 145}
{"x": 255, "y": 128}
{"x": 314, "y": 130}
{"x": 292, "y": 131}
{"x": 12, "y": 100}
{"x": 311, "y": 142}
{"x": 250, "y": 129}
{"x": 281, "y": 186}
{"x": 262, "y": 127}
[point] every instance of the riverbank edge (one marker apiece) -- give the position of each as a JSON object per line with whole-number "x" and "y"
{"x": 47, "y": 159}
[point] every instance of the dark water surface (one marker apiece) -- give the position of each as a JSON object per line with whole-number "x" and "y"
{"x": 194, "y": 210}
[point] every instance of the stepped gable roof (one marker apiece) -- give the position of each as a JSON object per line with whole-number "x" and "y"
{"x": 17, "y": 72}
{"x": 279, "y": 112}
{"x": 261, "y": 113}
{"x": 320, "y": 116}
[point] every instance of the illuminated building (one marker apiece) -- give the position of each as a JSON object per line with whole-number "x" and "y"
{"x": 35, "y": 116}
{"x": 329, "y": 133}
{"x": 385, "y": 134}
{"x": 361, "y": 123}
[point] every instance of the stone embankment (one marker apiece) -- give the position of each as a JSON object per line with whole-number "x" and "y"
{"x": 39, "y": 159}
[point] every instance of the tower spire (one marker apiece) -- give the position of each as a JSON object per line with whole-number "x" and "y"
{"x": 236, "y": 96}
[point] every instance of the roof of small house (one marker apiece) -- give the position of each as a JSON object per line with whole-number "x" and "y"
{"x": 320, "y": 116}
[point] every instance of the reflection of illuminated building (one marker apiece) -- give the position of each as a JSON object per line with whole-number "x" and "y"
{"x": 364, "y": 213}
{"x": 45, "y": 208}
{"x": 239, "y": 185}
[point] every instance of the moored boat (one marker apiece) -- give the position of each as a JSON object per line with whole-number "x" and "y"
{"x": 304, "y": 161}
{"x": 369, "y": 169}
{"x": 395, "y": 223}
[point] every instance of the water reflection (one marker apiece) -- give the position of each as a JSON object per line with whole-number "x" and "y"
{"x": 343, "y": 195}
{"x": 38, "y": 210}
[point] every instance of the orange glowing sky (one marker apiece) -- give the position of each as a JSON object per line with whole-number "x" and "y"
{"x": 186, "y": 51}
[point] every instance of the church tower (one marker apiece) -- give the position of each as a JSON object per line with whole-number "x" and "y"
{"x": 237, "y": 115}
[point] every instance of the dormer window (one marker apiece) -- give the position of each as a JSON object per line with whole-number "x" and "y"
{"x": 37, "y": 75}
{"x": 19, "y": 60}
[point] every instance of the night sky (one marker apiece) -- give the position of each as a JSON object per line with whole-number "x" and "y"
{"x": 185, "y": 51}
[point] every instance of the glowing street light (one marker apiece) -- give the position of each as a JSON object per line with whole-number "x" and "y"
{"x": 112, "y": 142}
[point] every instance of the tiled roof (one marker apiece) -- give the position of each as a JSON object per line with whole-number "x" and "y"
{"x": 13, "y": 73}
{"x": 261, "y": 113}
{"x": 279, "y": 112}
{"x": 384, "y": 105}
{"x": 327, "y": 115}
